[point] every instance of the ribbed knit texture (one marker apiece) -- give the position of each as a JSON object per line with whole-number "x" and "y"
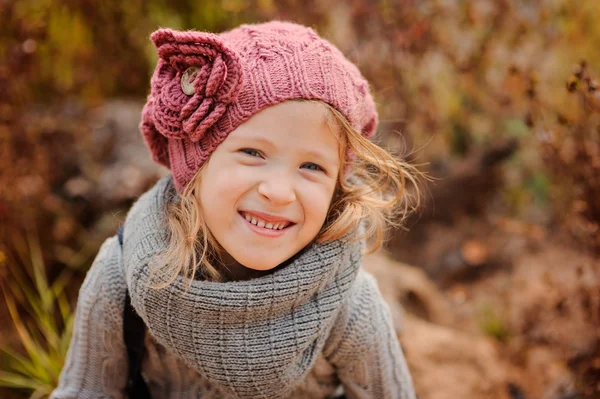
{"x": 242, "y": 72}
{"x": 296, "y": 333}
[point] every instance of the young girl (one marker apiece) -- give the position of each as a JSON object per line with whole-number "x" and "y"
{"x": 245, "y": 263}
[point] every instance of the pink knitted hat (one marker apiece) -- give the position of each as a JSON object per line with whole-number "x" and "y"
{"x": 206, "y": 85}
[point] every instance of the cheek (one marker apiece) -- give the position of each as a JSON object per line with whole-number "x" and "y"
{"x": 316, "y": 200}
{"x": 220, "y": 191}
{"x": 226, "y": 185}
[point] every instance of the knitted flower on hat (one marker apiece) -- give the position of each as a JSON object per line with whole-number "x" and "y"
{"x": 205, "y": 85}
{"x": 212, "y": 75}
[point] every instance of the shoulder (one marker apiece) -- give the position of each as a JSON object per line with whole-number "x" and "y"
{"x": 365, "y": 298}
{"x": 96, "y": 362}
{"x": 103, "y": 290}
{"x": 359, "y": 322}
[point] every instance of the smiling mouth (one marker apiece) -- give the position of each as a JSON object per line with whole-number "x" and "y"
{"x": 276, "y": 225}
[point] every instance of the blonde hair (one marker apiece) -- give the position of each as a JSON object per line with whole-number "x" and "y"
{"x": 371, "y": 192}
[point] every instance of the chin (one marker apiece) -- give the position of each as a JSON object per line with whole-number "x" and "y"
{"x": 259, "y": 263}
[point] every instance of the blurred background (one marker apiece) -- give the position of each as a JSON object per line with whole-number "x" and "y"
{"x": 494, "y": 283}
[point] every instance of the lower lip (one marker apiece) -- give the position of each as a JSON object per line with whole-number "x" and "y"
{"x": 262, "y": 231}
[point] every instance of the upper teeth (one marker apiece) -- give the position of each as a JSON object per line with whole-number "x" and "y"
{"x": 264, "y": 224}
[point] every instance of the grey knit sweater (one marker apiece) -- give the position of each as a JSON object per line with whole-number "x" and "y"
{"x": 303, "y": 331}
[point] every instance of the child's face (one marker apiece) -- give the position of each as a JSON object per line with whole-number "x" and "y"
{"x": 279, "y": 169}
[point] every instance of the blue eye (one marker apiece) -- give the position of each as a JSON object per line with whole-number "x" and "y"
{"x": 312, "y": 166}
{"x": 251, "y": 152}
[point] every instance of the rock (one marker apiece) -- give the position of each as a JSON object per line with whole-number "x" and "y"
{"x": 127, "y": 169}
{"x": 448, "y": 364}
{"x": 408, "y": 286}
{"x": 548, "y": 377}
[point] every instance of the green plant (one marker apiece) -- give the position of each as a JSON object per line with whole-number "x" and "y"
{"x": 41, "y": 316}
{"x": 492, "y": 324}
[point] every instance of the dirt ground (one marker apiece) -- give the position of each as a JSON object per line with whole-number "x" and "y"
{"x": 509, "y": 310}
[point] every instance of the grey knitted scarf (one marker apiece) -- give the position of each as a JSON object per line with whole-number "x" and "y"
{"x": 255, "y": 338}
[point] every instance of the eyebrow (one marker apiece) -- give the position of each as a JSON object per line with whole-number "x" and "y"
{"x": 324, "y": 155}
{"x": 254, "y": 139}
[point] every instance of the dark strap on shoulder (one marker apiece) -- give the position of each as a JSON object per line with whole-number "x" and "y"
{"x": 134, "y": 331}
{"x": 120, "y": 235}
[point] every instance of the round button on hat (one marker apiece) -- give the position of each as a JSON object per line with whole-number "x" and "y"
{"x": 188, "y": 79}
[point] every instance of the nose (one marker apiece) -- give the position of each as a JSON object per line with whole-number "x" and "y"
{"x": 278, "y": 188}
